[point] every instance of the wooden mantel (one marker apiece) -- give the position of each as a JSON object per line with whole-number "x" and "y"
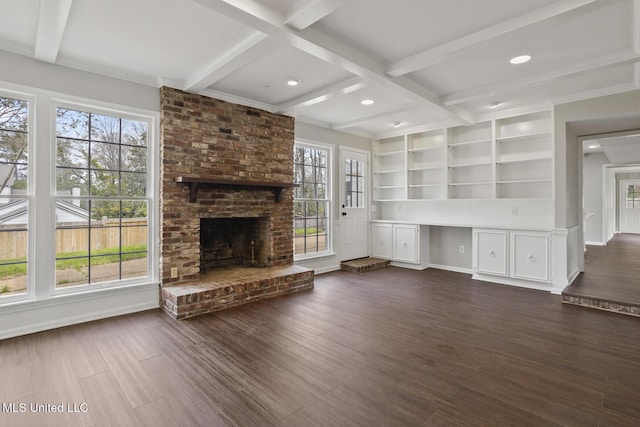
{"x": 194, "y": 183}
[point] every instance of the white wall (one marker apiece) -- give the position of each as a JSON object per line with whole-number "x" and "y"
{"x": 305, "y": 132}
{"x": 568, "y": 171}
{"x": 593, "y": 202}
{"x": 444, "y": 248}
{"x": 47, "y": 83}
{"x": 25, "y": 71}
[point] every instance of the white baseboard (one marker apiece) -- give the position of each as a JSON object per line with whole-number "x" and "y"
{"x": 595, "y": 243}
{"x": 542, "y": 286}
{"x": 451, "y": 268}
{"x": 35, "y": 316}
{"x": 328, "y": 269}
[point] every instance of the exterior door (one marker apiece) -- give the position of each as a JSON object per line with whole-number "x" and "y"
{"x": 354, "y": 221}
{"x": 630, "y": 206}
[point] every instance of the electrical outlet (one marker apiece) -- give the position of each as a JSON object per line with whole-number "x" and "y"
{"x": 514, "y": 210}
{"x": 461, "y": 249}
{"x": 174, "y": 272}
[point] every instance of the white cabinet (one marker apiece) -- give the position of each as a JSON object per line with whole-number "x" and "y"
{"x": 530, "y": 255}
{"x": 381, "y": 235}
{"x": 490, "y": 252}
{"x": 407, "y": 245}
{"x": 518, "y": 257}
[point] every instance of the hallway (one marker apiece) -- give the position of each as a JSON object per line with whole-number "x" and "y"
{"x": 611, "y": 280}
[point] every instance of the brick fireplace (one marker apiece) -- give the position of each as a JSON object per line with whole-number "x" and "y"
{"x": 224, "y": 165}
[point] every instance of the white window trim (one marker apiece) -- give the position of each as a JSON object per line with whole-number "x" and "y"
{"x": 330, "y": 198}
{"x": 31, "y": 241}
{"x": 41, "y": 197}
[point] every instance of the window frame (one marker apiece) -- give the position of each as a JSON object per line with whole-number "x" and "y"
{"x": 151, "y": 197}
{"x": 29, "y": 196}
{"x": 329, "y": 199}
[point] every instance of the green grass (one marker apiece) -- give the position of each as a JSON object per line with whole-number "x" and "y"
{"x": 110, "y": 255}
{"x": 310, "y": 231}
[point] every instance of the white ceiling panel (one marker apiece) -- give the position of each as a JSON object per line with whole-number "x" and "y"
{"x": 393, "y": 30}
{"x": 348, "y": 107}
{"x": 265, "y": 79}
{"x": 18, "y": 28}
{"x": 166, "y": 38}
{"x": 571, "y": 38}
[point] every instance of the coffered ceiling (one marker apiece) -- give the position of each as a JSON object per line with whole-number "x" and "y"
{"x": 423, "y": 62}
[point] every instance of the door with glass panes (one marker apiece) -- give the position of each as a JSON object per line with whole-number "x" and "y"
{"x": 353, "y": 213}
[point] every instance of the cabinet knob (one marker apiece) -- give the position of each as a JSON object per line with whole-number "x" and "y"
{"x": 492, "y": 254}
{"x": 405, "y": 245}
{"x": 532, "y": 258}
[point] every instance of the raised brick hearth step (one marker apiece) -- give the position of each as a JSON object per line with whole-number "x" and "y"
{"x": 602, "y": 304}
{"x": 227, "y": 288}
{"x": 364, "y": 264}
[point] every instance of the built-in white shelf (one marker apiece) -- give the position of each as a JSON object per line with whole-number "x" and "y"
{"x": 507, "y": 157}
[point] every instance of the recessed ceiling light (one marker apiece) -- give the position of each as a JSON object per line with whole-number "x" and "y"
{"x": 367, "y": 102}
{"x": 293, "y": 81}
{"x": 396, "y": 124}
{"x": 495, "y": 104}
{"x": 516, "y": 60}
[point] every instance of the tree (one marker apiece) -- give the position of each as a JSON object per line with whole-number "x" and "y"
{"x": 13, "y": 142}
{"x": 104, "y": 156}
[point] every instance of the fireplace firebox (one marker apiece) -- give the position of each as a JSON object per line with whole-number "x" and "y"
{"x": 237, "y": 241}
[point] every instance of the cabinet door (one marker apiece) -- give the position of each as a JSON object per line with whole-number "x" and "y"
{"x": 490, "y": 252}
{"x": 530, "y": 255}
{"x": 381, "y": 240}
{"x": 405, "y": 243}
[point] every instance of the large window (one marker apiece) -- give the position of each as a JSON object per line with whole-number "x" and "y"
{"x": 101, "y": 198}
{"x": 312, "y": 200}
{"x": 14, "y": 202}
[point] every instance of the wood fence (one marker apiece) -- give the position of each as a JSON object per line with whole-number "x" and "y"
{"x": 106, "y": 234}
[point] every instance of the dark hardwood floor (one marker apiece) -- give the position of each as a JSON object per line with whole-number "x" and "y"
{"x": 612, "y": 272}
{"x": 391, "y": 347}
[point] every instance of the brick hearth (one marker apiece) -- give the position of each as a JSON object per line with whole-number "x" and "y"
{"x": 216, "y": 141}
{"x": 228, "y": 288}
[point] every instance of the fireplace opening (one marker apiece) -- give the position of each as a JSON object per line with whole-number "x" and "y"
{"x": 236, "y": 241}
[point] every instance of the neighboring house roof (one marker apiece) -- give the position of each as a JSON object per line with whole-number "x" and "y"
{"x": 15, "y": 213}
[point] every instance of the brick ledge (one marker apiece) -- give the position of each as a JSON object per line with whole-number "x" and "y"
{"x": 221, "y": 289}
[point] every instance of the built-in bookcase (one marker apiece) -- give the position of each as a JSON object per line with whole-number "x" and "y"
{"x": 390, "y": 169}
{"x": 427, "y": 171}
{"x": 524, "y": 156}
{"x": 508, "y": 157}
{"x": 470, "y": 162}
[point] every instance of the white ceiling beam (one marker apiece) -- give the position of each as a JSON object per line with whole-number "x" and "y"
{"x": 52, "y": 19}
{"x": 310, "y": 13}
{"x": 334, "y": 52}
{"x": 373, "y": 116}
{"x": 249, "y": 13}
{"x": 251, "y": 48}
{"x": 320, "y": 95}
{"x": 448, "y": 50}
{"x": 628, "y": 56}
